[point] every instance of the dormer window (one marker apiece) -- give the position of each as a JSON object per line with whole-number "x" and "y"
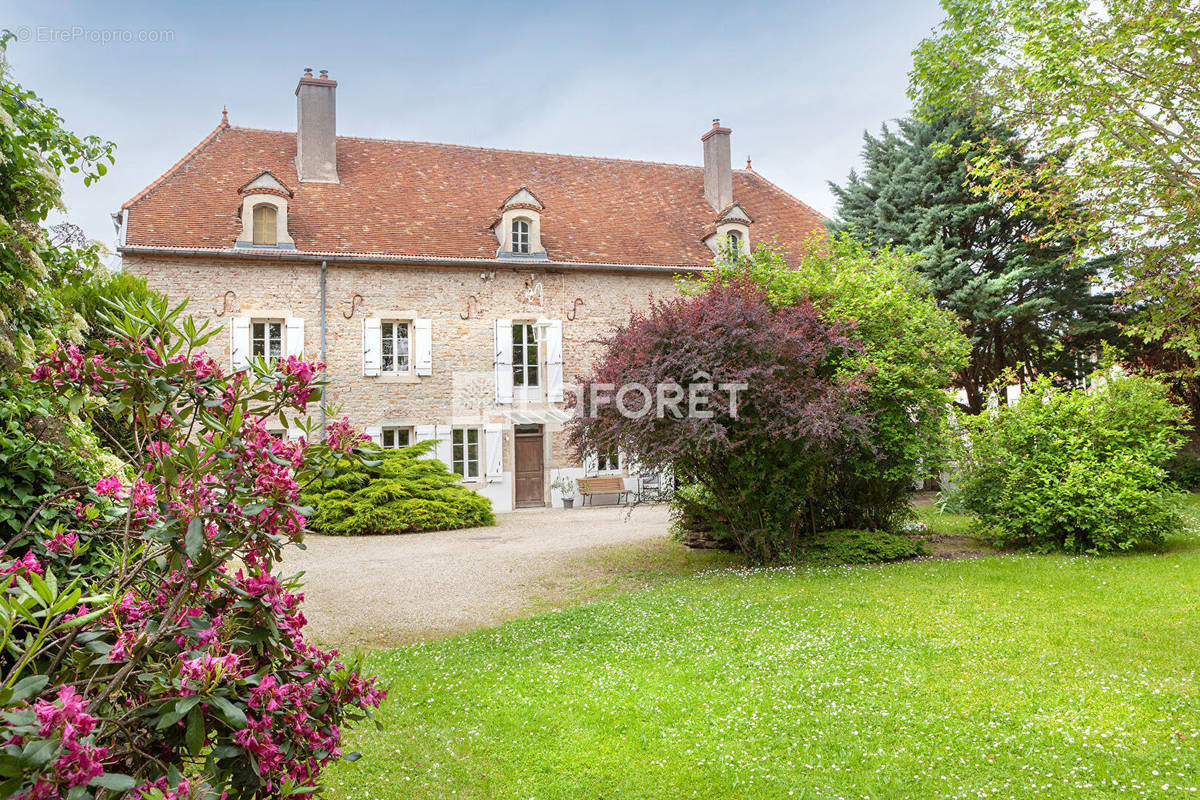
{"x": 518, "y": 229}
{"x": 264, "y": 225}
{"x": 730, "y": 237}
{"x": 520, "y": 236}
{"x": 264, "y": 214}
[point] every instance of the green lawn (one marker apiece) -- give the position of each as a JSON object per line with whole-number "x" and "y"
{"x": 1003, "y": 676}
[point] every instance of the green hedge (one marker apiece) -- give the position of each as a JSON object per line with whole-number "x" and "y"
{"x": 1080, "y": 471}
{"x": 399, "y": 492}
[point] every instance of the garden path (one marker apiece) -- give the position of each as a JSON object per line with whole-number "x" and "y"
{"x": 379, "y": 591}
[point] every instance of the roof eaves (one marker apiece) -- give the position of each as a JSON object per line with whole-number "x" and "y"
{"x": 338, "y": 255}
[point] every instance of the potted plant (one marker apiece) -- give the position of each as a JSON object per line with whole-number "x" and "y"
{"x": 566, "y": 488}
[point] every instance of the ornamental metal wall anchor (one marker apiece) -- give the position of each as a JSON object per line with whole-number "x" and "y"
{"x": 471, "y": 299}
{"x": 356, "y": 300}
{"x": 225, "y": 309}
{"x": 574, "y": 312}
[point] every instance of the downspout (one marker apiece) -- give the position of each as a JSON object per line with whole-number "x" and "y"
{"x": 323, "y": 399}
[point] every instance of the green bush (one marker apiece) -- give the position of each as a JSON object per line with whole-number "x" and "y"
{"x": 1080, "y": 471}
{"x": 842, "y": 546}
{"x": 911, "y": 351}
{"x": 399, "y": 493}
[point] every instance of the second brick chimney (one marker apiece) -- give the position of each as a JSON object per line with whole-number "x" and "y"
{"x": 316, "y": 128}
{"x": 718, "y": 169}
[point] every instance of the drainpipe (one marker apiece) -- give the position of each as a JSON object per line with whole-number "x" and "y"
{"x": 323, "y": 399}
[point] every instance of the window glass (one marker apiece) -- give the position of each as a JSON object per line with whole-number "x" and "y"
{"x": 266, "y": 338}
{"x": 395, "y": 438}
{"x": 520, "y": 236}
{"x": 525, "y": 355}
{"x": 464, "y": 452}
{"x": 608, "y": 461}
{"x": 393, "y": 347}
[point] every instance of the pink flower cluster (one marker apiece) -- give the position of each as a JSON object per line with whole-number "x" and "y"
{"x": 342, "y": 437}
{"x": 78, "y": 762}
{"x": 296, "y": 379}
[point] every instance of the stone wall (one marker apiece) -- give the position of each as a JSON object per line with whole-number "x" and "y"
{"x": 462, "y": 303}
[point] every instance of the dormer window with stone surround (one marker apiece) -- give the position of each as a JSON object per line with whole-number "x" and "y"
{"x": 264, "y": 214}
{"x": 732, "y": 230}
{"x": 519, "y": 228}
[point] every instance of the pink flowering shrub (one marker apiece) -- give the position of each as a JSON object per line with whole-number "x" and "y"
{"x": 148, "y": 648}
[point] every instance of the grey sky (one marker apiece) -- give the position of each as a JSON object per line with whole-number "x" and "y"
{"x": 797, "y": 82}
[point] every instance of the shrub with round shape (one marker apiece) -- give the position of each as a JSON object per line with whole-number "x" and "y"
{"x": 1074, "y": 470}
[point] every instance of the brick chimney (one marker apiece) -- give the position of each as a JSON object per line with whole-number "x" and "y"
{"x": 316, "y": 128}
{"x": 718, "y": 169}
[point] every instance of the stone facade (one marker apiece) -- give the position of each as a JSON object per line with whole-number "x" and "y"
{"x": 462, "y": 304}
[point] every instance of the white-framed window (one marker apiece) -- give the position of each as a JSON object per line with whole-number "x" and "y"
{"x": 395, "y": 438}
{"x": 395, "y": 352}
{"x": 608, "y": 461}
{"x": 526, "y": 355}
{"x": 266, "y": 338}
{"x": 520, "y": 236}
{"x": 277, "y": 433}
{"x": 464, "y": 452}
{"x": 735, "y": 242}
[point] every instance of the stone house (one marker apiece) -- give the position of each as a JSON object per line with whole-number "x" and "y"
{"x": 452, "y": 291}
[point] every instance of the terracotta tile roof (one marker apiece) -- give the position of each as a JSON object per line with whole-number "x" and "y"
{"x": 423, "y": 199}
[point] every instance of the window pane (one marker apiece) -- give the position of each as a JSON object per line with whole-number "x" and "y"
{"x": 402, "y": 435}
{"x": 458, "y": 436}
{"x": 389, "y": 437}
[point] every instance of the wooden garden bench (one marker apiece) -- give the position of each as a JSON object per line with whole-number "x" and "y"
{"x": 606, "y": 484}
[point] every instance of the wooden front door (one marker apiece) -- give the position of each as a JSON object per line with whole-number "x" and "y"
{"x": 530, "y": 469}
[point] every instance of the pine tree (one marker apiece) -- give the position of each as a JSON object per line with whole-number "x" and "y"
{"x": 1028, "y": 304}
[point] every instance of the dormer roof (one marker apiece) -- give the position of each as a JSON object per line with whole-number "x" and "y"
{"x": 265, "y": 183}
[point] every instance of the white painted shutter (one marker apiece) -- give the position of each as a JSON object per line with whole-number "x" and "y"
{"x": 370, "y": 346}
{"x": 554, "y": 361}
{"x": 375, "y": 432}
{"x": 295, "y": 434}
{"x": 591, "y": 464}
{"x": 493, "y": 445}
{"x": 293, "y": 337}
{"x": 239, "y": 342}
{"x": 503, "y": 361}
{"x": 443, "y": 452}
{"x": 423, "y": 345}
{"x": 423, "y": 433}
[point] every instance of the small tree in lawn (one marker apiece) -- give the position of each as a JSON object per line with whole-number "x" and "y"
{"x": 759, "y": 451}
{"x": 146, "y": 646}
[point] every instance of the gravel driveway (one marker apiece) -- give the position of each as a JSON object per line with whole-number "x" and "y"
{"x": 387, "y": 590}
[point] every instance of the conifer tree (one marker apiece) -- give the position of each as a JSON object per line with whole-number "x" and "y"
{"x": 1028, "y": 304}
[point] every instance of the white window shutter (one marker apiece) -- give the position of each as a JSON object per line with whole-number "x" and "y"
{"x": 375, "y": 432}
{"x": 554, "y": 361}
{"x": 423, "y": 345}
{"x": 503, "y": 361}
{"x": 443, "y": 451}
{"x": 295, "y": 434}
{"x": 370, "y": 346}
{"x": 293, "y": 337}
{"x": 591, "y": 464}
{"x": 493, "y": 435}
{"x": 423, "y": 433}
{"x": 239, "y": 342}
